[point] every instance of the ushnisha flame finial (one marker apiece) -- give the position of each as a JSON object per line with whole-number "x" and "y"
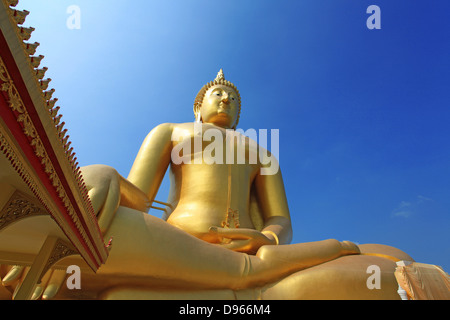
{"x": 220, "y": 76}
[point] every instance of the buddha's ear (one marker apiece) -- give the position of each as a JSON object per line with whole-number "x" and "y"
{"x": 197, "y": 108}
{"x": 235, "y": 124}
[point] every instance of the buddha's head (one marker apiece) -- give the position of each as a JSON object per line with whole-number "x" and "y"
{"x": 219, "y": 103}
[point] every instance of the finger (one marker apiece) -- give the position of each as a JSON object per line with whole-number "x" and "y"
{"x": 54, "y": 284}
{"x": 40, "y": 287}
{"x": 237, "y": 245}
{"x": 22, "y": 278}
{"x": 235, "y": 234}
{"x": 37, "y": 292}
{"x": 12, "y": 276}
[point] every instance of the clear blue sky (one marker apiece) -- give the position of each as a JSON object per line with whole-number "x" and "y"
{"x": 363, "y": 114}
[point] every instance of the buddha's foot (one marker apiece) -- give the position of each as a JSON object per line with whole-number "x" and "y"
{"x": 349, "y": 248}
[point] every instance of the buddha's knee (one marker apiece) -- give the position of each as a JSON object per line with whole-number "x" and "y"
{"x": 386, "y": 250}
{"x": 99, "y": 180}
{"x": 349, "y": 277}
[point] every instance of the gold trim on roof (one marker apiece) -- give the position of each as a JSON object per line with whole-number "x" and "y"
{"x": 16, "y": 104}
{"x": 47, "y": 95}
{"x": 19, "y": 206}
{"x": 28, "y": 176}
{"x": 48, "y": 111}
{"x": 60, "y": 251}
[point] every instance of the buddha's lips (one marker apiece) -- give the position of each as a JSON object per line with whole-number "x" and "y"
{"x": 222, "y": 112}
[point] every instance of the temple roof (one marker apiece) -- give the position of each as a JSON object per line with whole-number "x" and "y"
{"x": 36, "y": 156}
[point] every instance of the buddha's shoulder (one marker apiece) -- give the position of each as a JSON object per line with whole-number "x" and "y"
{"x": 170, "y": 127}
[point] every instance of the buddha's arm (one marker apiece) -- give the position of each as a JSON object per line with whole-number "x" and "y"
{"x": 133, "y": 197}
{"x": 152, "y": 161}
{"x": 273, "y": 203}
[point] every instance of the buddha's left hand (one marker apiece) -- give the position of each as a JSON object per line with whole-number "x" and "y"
{"x": 242, "y": 240}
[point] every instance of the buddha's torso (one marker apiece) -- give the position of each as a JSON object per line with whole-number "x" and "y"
{"x": 210, "y": 194}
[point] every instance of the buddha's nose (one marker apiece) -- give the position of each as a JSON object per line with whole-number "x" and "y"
{"x": 225, "y": 97}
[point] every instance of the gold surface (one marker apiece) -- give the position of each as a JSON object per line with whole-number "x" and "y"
{"x": 226, "y": 230}
{"x": 199, "y": 245}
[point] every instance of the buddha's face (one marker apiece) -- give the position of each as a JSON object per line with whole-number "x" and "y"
{"x": 220, "y": 106}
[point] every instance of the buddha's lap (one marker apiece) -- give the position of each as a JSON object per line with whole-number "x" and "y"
{"x": 348, "y": 277}
{"x": 343, "y": 278}
{"x": 141, "y": 233}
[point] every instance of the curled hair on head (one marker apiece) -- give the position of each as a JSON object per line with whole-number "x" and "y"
{"x": 220, "y": 80}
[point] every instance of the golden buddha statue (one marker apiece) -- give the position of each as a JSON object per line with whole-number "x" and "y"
{"x": 226, "y": 229}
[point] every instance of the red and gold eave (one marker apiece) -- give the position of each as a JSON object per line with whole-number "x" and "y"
{"x": 35, "y": 142}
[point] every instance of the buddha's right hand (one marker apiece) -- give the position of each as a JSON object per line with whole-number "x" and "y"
{"x": 242, "y": 239}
